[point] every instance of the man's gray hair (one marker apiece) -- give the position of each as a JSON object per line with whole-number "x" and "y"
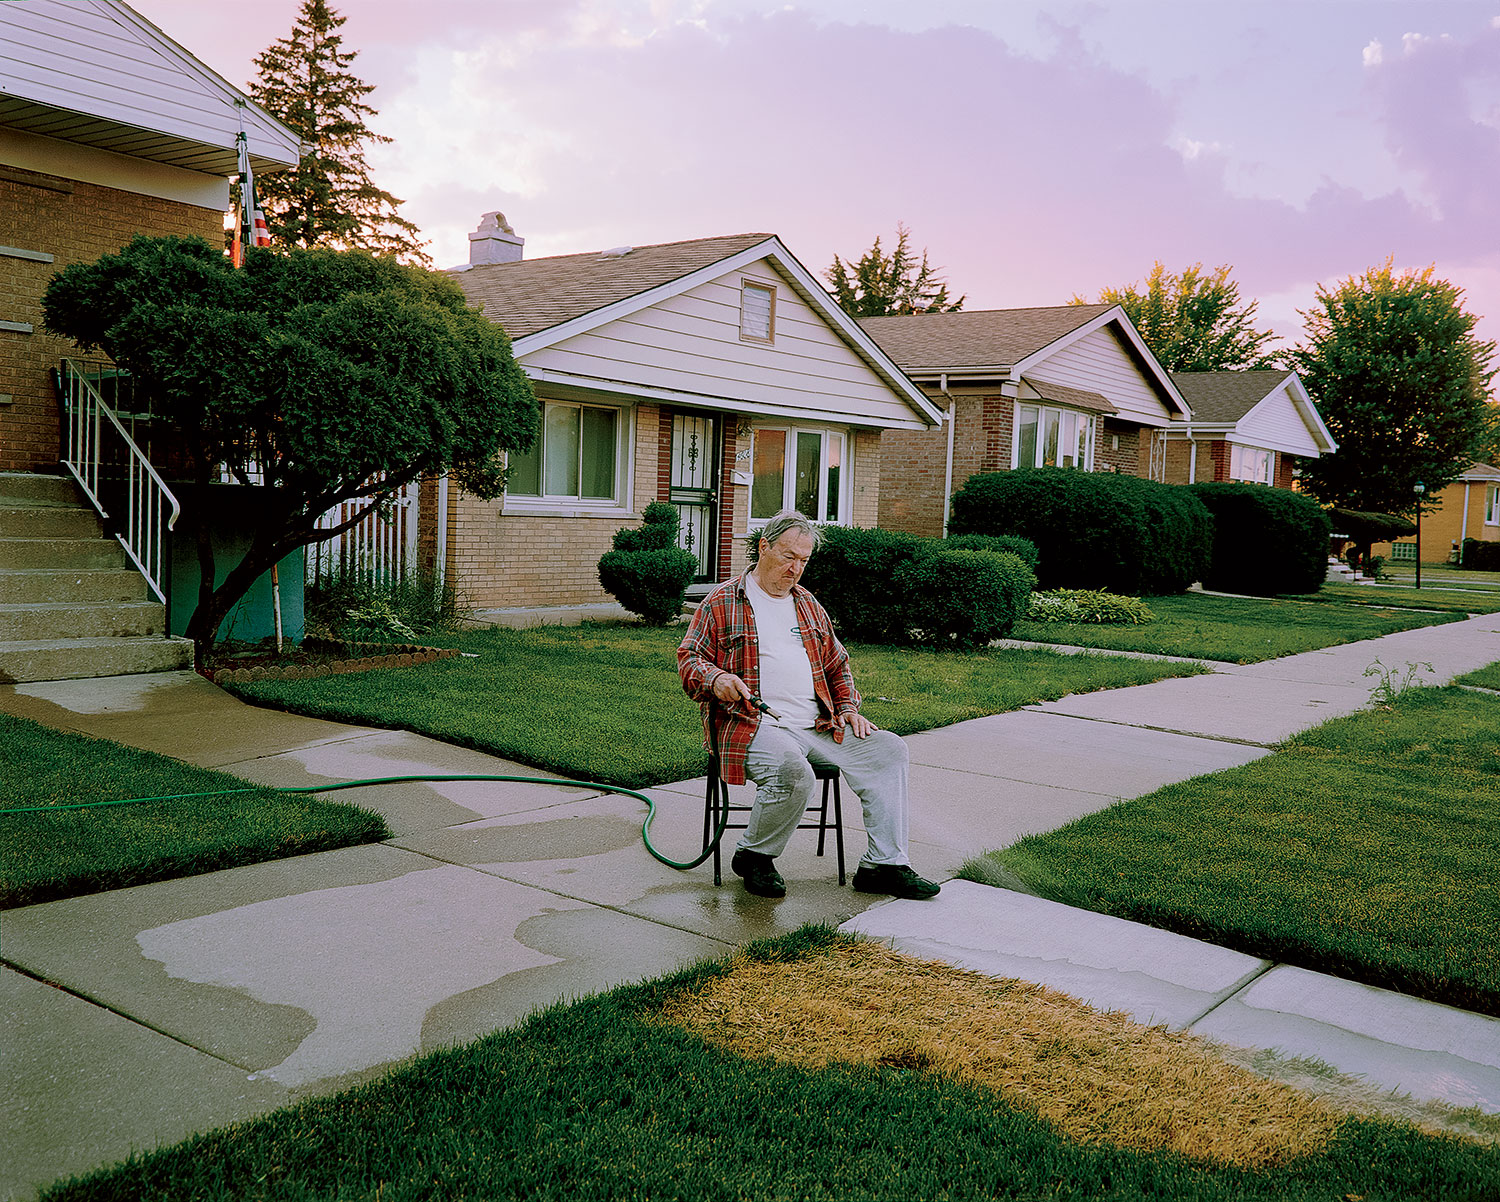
{"x": 786, "y": 520}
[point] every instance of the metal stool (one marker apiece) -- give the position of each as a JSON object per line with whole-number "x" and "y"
{"x": 716, "y": 798}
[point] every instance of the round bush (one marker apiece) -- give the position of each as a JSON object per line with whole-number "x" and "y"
{"x": 1266, "y": 540}
{"x": 962, "y": 598}
{"x": 649, "y": 583}
{"x": 852, "y": 574}
{"x": 1012, "y": 543}
{"x": 1093, "y": 530}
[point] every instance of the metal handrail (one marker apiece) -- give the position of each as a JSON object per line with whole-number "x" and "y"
{"x": 91, "y": 421}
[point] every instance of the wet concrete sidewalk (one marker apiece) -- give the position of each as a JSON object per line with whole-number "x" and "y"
{"x": 136, "y": 1017}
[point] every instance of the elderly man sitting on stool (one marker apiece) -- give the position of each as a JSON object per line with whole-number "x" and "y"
{"x": 762, "y": 637}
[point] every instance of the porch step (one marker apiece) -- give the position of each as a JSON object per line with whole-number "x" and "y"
{"x": 75, "y": 659}
{"x": 71, "y": 605}
{"x": 96, "y": 552}
{"x": 37, "y": 489}
{"x": 37, "y": 586}
{"x": 71, "y": 620}
{"x": 49, "y": 520}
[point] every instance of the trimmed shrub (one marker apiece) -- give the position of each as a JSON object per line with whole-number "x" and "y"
{"x": 957, "y": 598}
{"x": 1266, "y": 540}
{"x": 1013, "y": 543}
{"x": 852, "y": 574}
{"x": 647, "y": 572}
{"x": 1088, "y": 605}
{"x": 1093, "y": 530}
{"x": 882, "y": 586}
{"x": 1480, "y": 556}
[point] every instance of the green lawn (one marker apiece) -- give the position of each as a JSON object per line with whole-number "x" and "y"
{"x": 1452, "y": 600}
{"x": 594, "y": 1100}
{"x": 1484, "y": 678}
{"x": 603, "y": 702}
{"x": 1239, "y": 630}
{"x": 60, "y": 852}
{"x": 1365, "y": 848}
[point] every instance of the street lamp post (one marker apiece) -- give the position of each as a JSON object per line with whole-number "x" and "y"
{"x": 1419, "y": 488}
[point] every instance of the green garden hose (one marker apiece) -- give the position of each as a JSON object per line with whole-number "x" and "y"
{"x": 723, "y": 816}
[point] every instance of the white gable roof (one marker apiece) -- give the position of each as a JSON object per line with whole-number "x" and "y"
{"x": 674, "y": 337}
{"x": 97, "y": 73}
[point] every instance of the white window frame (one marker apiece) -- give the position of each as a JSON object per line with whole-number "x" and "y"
{"x": 843, "y": 436}
{"x": 563, "y": 504}
{"x": 1240, "y": 473}
{"x": 1080, "y": 417}
{"x": 1492, "y": 505}
{"x": 747, "y": 333}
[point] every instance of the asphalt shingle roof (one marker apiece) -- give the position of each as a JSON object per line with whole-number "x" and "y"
{"x": 535, "y": 294}
{"x": 1225, "y": 396}
{"x": 981, "y": 338}
{"x": 1074, "y": 398}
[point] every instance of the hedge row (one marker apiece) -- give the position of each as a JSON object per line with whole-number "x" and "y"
{"x": 1139, "y": 537}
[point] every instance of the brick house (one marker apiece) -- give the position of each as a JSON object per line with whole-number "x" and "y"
{"x": 1069, "y": 386}
{"x": 1467, "y": 508}
{"x": 1248, "y": 426}
{"x": 108, "y": 129}
{"x": 716, "y": 374}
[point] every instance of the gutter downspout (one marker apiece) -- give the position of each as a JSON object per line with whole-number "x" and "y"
{"x": 1463, "y": 527}
{"x": 442, "y": 530}
{"x": 948, "y": 467}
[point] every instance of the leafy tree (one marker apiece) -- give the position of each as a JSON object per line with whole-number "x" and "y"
{"x": 890, "y": 285}
{"x": 326, "y": 375}
{"x": 329, "y": 199}
{"x": 1193, "y": 321}
{"x": 1402, "y": 383}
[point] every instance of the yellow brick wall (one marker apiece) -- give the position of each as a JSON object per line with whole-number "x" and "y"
{"x": 865, "y": 507}
{"x": 74, "y": 222}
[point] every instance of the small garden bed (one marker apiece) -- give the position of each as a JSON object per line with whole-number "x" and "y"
{"x": 243, "y": 663}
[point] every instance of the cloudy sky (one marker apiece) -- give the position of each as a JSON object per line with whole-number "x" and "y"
{"x": 1036, "y": 148}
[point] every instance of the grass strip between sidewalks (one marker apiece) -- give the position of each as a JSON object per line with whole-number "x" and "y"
{"x": 1238, "y": 630}
{"x": 1365, "y": 848}
{"x": 603, "y": 702}
{"x": 622, "y": 1096}
{"x": 1455, "y": 599}
{"x": 64, "y": 853}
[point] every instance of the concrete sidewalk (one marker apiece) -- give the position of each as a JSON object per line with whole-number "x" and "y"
{"x": 136, "y": 1017}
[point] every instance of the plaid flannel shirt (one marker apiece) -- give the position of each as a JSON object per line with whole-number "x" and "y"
{"x": 721, "y": 639}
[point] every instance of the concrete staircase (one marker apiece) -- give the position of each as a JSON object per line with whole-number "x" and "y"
{"x": 71, "y": 604}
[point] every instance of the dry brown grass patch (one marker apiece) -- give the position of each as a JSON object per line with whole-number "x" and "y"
{"x": 1099, "y": 1078}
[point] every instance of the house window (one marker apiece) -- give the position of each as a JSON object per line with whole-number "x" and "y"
{"x": 1048, "y": 437}
{"x": 757, "y": 311}
{"x": 575, "y": 456}
{"x": 1251, "y": 465}
{"x": 1492, "y": 505}
{"x": 799, "y": 468}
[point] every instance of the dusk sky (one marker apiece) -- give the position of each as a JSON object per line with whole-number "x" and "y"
{"x": 1035, "y": 149}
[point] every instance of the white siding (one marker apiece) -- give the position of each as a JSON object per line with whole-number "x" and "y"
{"x": 1276, "y": 424}
{"x": 1099, "y": 363}
{"x": 86, "y": 57}
{"x": 690, "y": 343}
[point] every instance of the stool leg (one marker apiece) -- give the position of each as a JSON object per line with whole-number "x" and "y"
{"x": 838, "y": 824}
{"x": 823, "y": 816}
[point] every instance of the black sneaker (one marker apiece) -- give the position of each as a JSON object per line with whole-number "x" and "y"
{"x": 759, "y": 871}
{"x": 896, "y": 879}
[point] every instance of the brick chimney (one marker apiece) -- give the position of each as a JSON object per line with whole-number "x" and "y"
{"x": 494, "y": 241}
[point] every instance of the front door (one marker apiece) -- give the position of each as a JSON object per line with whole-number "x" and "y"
{"x": 695, "y": 488}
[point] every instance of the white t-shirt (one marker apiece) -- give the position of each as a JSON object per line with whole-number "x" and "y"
{"x": 786, "y": 679}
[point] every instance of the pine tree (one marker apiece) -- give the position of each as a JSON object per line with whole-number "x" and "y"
{"x": 890, "y": 285}
{"x": 329, "y": 200}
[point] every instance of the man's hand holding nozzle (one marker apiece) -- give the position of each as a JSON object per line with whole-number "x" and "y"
{"x": 729, "y": 688}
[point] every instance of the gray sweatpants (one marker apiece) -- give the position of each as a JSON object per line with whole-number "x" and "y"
{"x": 875, "y": 767}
